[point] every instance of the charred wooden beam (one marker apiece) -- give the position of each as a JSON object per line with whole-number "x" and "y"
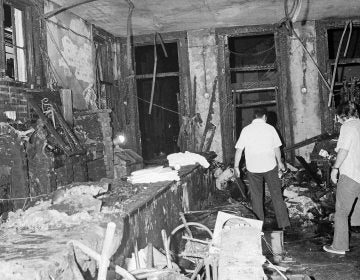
{"x": 309, "y": 141}
{"x": 65, "y": 147}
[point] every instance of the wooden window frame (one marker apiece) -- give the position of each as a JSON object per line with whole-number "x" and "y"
{"x": 184, "y": 73}
{"x": 33, "y": 62}
{"x": 106, "y": 39}
{"x": 322, "y": 26}
{"x": 225, "y": 88}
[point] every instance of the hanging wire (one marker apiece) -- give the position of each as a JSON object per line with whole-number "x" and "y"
{"x": 348, "y": 41}
{"x": 52, "y": 38}
{"x": 336, "y": 64}
{"x": 252, "y": 54}
{"x": 159, "y": 106}
{"x": 287, "y": 22}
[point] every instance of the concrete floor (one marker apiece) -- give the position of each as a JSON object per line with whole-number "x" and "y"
{"x": 305, "y": 248}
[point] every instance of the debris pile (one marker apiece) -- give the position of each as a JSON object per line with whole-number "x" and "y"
{"x": 41, "y": 218}
{"x": 212, "y": 255}
{"x": 67, "y": 206}
{"x": 307, "y": 201}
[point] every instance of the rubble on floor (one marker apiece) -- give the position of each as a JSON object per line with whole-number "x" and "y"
{"x": 307, "y": 201}
{"x": 40, "y": 234}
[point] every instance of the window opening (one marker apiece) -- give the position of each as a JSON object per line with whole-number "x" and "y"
{"x": 253, "y": 78}
{"x": 160, "y": 129}
{"x": 347, "y": 78}
{"x": 103, "y": 73}
{"x": 15, "y": 60}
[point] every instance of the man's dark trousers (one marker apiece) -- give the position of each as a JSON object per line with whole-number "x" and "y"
{"x": 257, "y": 195}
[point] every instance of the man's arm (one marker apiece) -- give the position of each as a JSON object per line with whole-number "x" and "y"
{"x": 278, "y": 158}
{"x": 238, "y": 154}
{"x": 340, "y": 157}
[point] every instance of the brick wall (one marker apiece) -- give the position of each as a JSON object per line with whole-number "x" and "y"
{"x": 12, "y": 98}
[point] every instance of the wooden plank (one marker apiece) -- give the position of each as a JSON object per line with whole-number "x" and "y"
{"x": 67, "y": 107}
{"x": 49, "y": 126}
{"x": 255, "y": 104}
{"x": 158, "y": 75}
{"x": 253, "y": 89}
{"x": 258, "y": 84}
{"x": 343, "y": 61}
{"x": 248, "y": 68}
{"x": 208, "y": 123}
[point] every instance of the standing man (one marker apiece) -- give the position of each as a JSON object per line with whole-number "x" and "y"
{"x": 347, "y": 165}
{"x": 262, "y": 154}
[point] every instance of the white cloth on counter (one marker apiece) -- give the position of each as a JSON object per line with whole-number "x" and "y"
{"x": 154, "y": 174}
{"x": 181, "y": 159}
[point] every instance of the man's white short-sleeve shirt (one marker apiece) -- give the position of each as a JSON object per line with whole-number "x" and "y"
{"x": 349, "y": 140}
{"x": 259, "y": 140}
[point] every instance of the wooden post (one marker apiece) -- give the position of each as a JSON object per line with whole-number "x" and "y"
{"x": 106, "y": 250}
{"x": 67, "y": 105}
{"x": 166, "y": 248}
{"x": 149, "y": 259}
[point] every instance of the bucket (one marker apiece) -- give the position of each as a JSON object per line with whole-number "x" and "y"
{"x": 274, "y": 244}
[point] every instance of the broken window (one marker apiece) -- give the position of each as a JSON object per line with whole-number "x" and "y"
{"x": 15, "y": 51}
{"x": 253, "y": 78}
{"x": 104, "y": 77}
{"x": 158, "y": 114}
{"x": 347, "y": 78}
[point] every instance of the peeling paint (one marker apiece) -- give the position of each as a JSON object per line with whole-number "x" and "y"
{"x": 78, "y": 57}
{"x": 79, "y": 26}
{"x": 203, "y": 65}
{"x": 70, "y": 50}
{"x": 162, "y": 209}
{"x": 305, "y": 105}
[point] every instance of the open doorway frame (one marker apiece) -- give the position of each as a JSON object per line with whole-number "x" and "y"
{"x": 227, "y": 108}
{"x": 183, "y": 74}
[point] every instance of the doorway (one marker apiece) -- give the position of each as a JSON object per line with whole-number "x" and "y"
{"x": 158, "y": 112}
{"x": 253, "y": 78}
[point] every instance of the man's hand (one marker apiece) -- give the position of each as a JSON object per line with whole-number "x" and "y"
{"x": 334, "y": 175}
{"x": 237, "y": 171}
{"x": 281, "y": 166}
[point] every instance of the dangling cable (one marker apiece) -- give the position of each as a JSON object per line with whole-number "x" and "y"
{"x": 348, "y": 41}
{"x": 336, "y": 64}
{"x": 287, "y": 21}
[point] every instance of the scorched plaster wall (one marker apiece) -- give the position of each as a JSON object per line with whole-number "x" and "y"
{"x": 70, "y": 49}
{"x": 305, "y": 98}
{"x": 304, "y": 106}
{"x": 202, "y": 50}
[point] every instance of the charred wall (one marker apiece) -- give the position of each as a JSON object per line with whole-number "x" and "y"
{"x": 151, "y": 211}
{"x": 70, "y": 48}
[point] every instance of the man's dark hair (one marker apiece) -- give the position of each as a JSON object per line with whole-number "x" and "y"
{"x": 260, "y": 112}
{"x": 347, "y": 109}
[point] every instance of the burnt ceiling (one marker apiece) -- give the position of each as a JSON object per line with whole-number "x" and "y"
{"x": 151, "y": 16}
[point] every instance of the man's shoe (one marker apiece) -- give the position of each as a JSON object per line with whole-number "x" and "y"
{"x": 331, "y": 249}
